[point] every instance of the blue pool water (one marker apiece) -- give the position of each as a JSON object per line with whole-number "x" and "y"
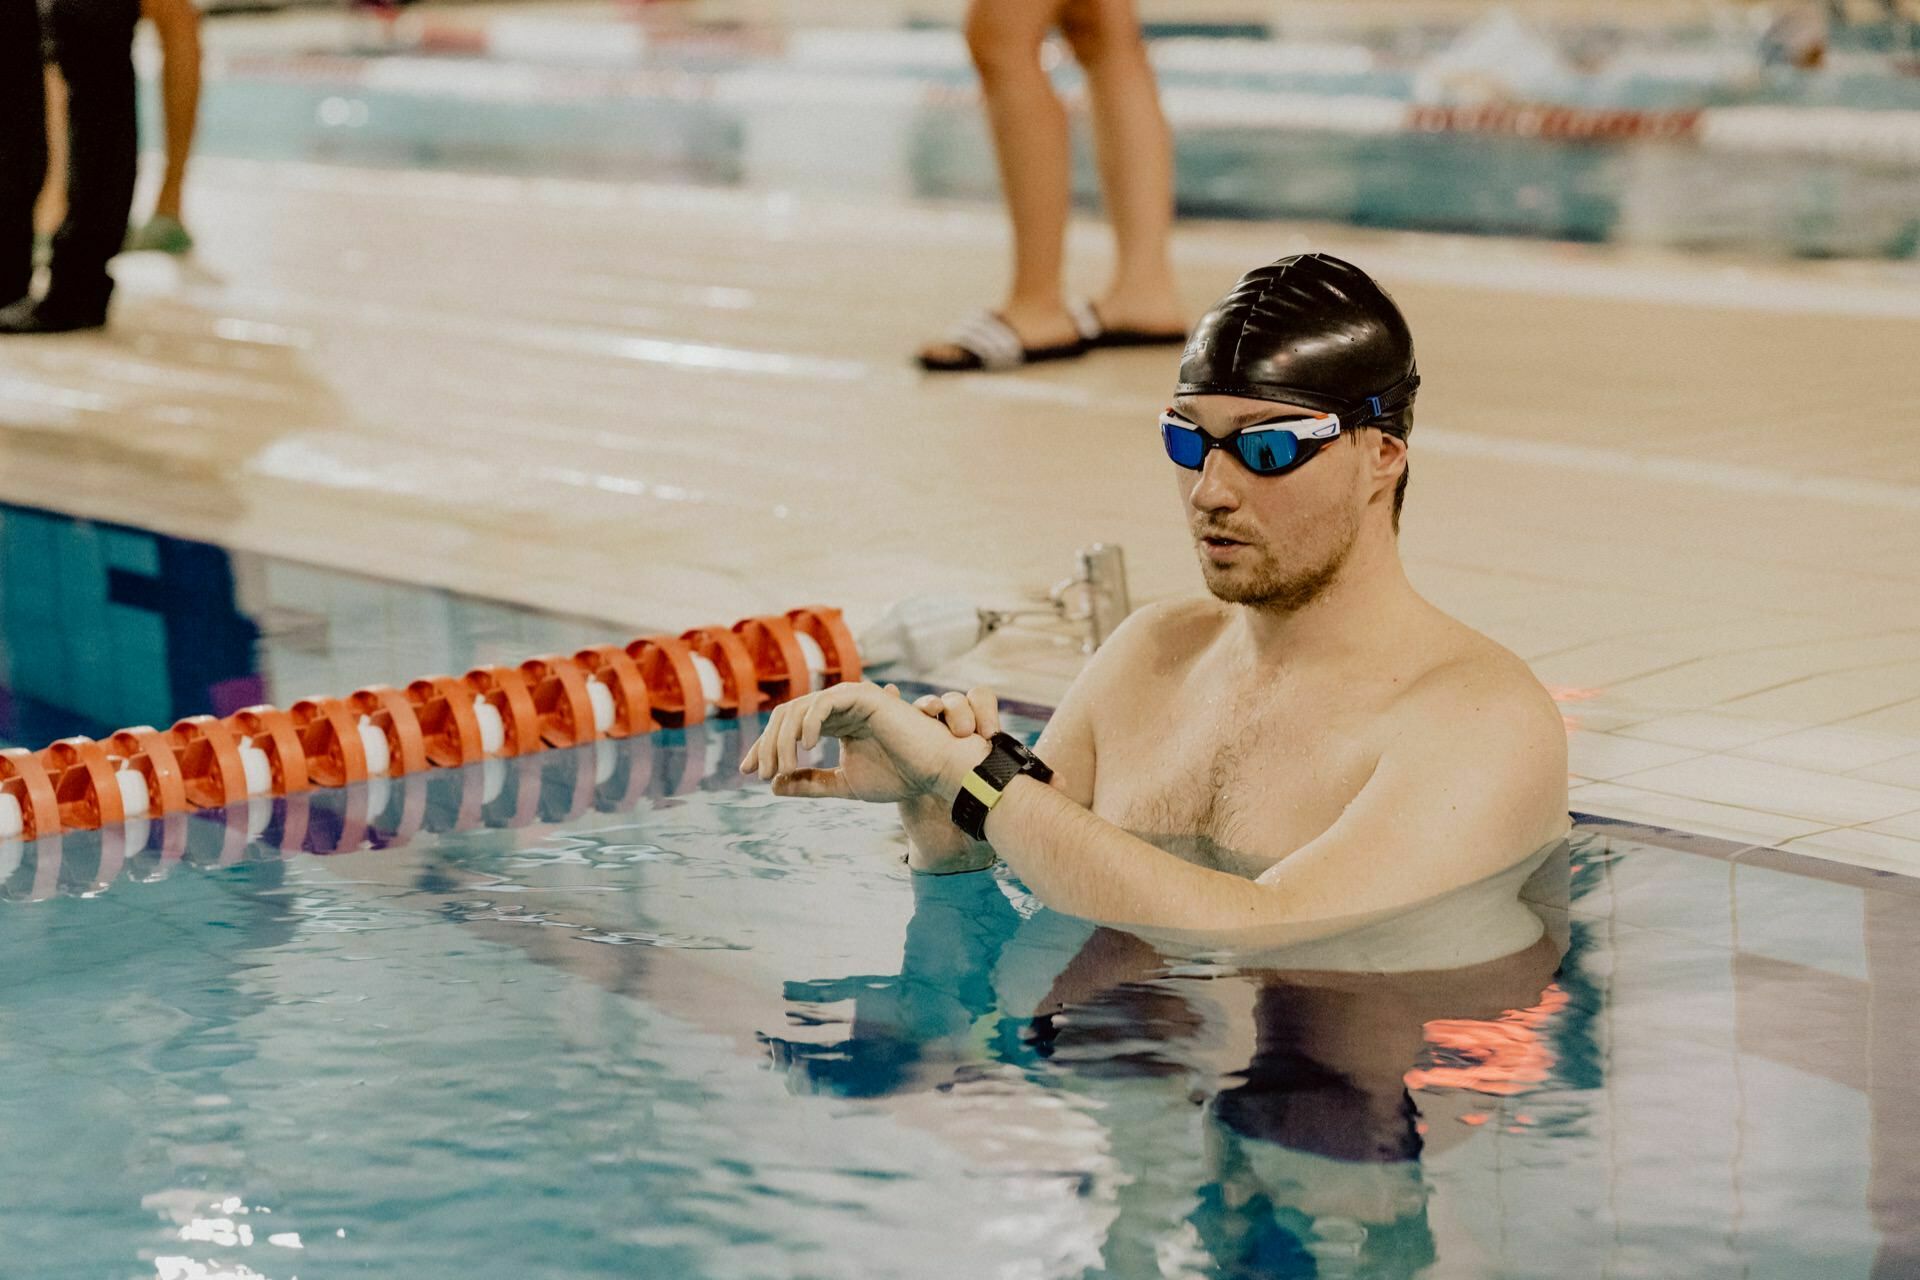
{"x": 619, "y": 1012}
{"x": 104, "y": 626}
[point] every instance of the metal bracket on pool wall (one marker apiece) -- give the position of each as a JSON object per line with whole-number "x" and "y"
{"x": 1096, "y": 594}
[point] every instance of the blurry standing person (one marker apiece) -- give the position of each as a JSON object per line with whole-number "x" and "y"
{"x": 177, "y": 23}
{"x": 23, "y": 144}
{"x": 91, "y": 42}
{"x": 51, "y": 208}
{"x": 1030, "y": 137}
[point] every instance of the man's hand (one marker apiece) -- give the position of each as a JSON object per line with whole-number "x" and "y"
{"x": 889, "y": 751}
{"x": 973, "y": 713}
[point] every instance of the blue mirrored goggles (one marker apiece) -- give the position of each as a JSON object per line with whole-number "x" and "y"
{"x": 1266, "y": 448}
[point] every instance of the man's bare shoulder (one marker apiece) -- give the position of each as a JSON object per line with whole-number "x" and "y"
{"x": 1131, "y": 678}
{"x": 1160, "y": 638}
{"x": 1142, "y": 663}
{"x": 1475, "y": 684}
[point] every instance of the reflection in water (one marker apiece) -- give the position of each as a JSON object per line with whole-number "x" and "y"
{"x": 1312, "y": 1137}
{"x": 526, "y": 792}
{"x": 104, "y": 626}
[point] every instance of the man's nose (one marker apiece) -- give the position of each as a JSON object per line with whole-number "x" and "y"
{"x": 1219, "y": 485}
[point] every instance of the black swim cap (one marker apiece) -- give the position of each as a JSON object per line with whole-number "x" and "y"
{"x": 1310, "y": 330}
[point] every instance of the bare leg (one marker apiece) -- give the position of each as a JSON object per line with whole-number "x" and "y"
{"x": 178, "y": 25}
{"x": 1030, "y": 141}
{"x": 1135, "y": 150}
{"x": 51, "y": 209}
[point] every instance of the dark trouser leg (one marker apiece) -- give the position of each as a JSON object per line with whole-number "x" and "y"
{"x": 23, "y": 142}
{"x": 93, "y": 40}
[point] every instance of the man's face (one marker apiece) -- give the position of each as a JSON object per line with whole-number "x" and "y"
{"x": 1276, "y": 541}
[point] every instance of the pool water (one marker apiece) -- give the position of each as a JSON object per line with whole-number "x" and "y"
{"x": 104, "y": 625}
{"x": 618, "y": 1011}
{"x": 700, "y": 1031}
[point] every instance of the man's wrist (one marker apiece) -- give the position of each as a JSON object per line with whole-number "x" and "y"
{"x": 962, "y": 761}
{"x": 1015, "y": 786}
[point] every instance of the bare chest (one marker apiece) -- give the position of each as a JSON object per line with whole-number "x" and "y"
{"x": 1238, "y": 785}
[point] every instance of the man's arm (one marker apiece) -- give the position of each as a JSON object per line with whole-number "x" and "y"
{"x": 1474, "y": 781}
{"x": 1066, "y": 744}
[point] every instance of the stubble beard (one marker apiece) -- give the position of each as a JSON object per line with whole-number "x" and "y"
{"x": 1266, "y": 585}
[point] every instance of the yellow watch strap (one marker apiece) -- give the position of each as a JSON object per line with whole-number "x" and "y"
{"x": 980, "y": 789}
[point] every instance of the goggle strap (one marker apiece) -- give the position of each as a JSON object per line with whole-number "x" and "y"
{"x": 1394, "y": 397}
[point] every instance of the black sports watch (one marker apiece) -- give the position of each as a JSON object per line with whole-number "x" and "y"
{"x": 981, "y": 789}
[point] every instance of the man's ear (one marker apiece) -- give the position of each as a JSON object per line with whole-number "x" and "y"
{"x": 1389, "y": 458}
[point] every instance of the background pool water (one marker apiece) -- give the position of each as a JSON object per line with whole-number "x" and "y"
{"x": 894, "y": 113}
{"x": 106, "y": 625}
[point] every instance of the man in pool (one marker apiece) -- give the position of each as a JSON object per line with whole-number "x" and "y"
{"x": 1314, "y": 748}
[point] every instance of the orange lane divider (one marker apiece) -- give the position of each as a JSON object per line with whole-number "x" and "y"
{"x": 85, "y": 793}
{"x": 330, "y": 735}
{"x": 615, "y": 671}
{"x": 210, "y": 764}
{"x": 145, "y": 750}
{"x": 448, "y": 729}
{"x": 777, "y": 657}
{"x": 562, "y": 707}
{"x": 387, "y": 711}
{"x": 527, "y": 792}
{"x": 24, "y": 780}
{"x": 829, "y": 630}
{"x": 606, "y": 691}
{"x": 739, "y": 683}
{"x": 274, "y": 732}
{"x": 504, "y": 690}
{"x": 673, "y": 681}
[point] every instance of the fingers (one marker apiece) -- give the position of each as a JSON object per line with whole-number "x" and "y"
{"x": 958, "y": 713}
{"x": 812, "y": 722}
{"x": 986, "y": 710}
{"x": 787, "y": 742}
{"x": 777, "y": 750}
{"x": 760, "y": 753}
{"x": 934, "y": 705}
{"x": 797, "y": 726}
{"x": 975, "y": 712}
{"x": 813, "y": 784}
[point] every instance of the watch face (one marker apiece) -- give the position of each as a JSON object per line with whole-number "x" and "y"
{"x": 1009, "y": 759}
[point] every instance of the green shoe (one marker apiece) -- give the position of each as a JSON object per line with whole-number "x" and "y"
{"x": 162, "y": 234}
